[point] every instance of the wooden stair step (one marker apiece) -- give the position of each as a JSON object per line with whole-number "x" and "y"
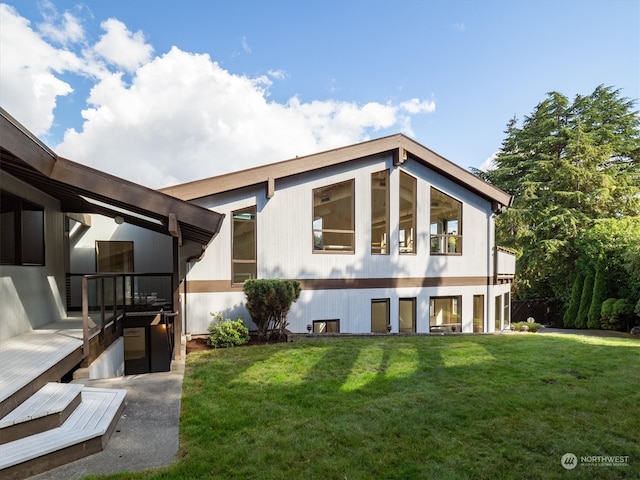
{"x": 48, "y": 408}
{"x": 85, "y": 432}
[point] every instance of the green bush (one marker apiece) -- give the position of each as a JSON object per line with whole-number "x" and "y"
{"x": 585, "y": 301}
{"x": 227, "y": 333}
{"x": 268, "y": 302}
{"x": 606, "y": 313}
{"x": 569, "y": 319}
{"x": 600, "y": 291}
{"x": 530, "y": 327}
{"x": 623, "y": 311}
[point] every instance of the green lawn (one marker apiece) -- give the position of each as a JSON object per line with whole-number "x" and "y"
{"x": 439, "y": 407}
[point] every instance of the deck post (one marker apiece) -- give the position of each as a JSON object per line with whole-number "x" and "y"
{"x": 85, "y": 317}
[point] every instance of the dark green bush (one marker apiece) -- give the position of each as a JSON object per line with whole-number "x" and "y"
{"x": 585, "y": 301}
{"x": 600, "y": 291}
{"x": 606, "y": 313}
{"x": 268, "y": 302}
{"x": 569, "y": 319}
{"x": 227, "y": 333}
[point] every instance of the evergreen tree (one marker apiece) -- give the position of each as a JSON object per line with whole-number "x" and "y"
{"x": 569, "y": 163}
{"x": 599, "y": 295}
{"x": 569, "y": 319}
{"x": 585, "y": 301}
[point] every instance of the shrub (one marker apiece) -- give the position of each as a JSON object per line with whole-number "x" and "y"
{"x": 227, "y": 333}
{"x": 585, "y": 301}
{"x": 623, "y": 311}
{"x": 569, "y": 319}
{"x": 268, "y": 302}
{"x": 526, "y": 327}
{"x": 606, "y": 313}
{"x": 600, "y": 290}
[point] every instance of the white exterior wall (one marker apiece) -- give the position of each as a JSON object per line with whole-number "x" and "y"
{"x": 285, "y": 250}
{"x": 152, "y": 251}
{"x": 32, "y": 296}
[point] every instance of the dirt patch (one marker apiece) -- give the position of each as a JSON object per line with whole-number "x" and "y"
{"x": 200, "y": 343}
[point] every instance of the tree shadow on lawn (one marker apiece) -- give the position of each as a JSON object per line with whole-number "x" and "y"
{"x": 414, "y": 407}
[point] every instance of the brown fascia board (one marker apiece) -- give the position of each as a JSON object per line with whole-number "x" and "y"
{"x": 23, "y": 144}
{"x": 398, "y": 144}
{"x": 132, "y": 196}
{"x": 16, "y": 139}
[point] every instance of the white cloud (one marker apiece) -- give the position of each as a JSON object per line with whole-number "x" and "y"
{"x": 28, "y": 70}
{"x": 489, "y": 163}
{"x": 178, "y": 116}
{"x": 122, "y": 48}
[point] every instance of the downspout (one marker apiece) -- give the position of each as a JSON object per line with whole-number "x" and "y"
{"x": 186, "y": 275}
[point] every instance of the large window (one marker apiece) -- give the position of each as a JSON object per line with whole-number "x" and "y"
{"x": 380, "y": 212}
{"x": 444, "y": 314}
{"x": 334, "y": 218}
{"x": 498, "y": 313}
{"x": 478, "y": 313}
{"x": 21, "y": 231}
{"x": 380, "y": 315}
{"x": 407, "y": 315}
{"x": 446, "y": 224}
{"x": 243, "y": 245}
{"x": 407, "y": 213}
{"x": 506, "y": 306}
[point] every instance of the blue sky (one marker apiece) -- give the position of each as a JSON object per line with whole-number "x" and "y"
{"x": 163, "y": 92}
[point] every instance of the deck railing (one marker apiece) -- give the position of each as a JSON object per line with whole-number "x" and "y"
{"x": 106, "y": 298}
{"x": 505, "y": 266}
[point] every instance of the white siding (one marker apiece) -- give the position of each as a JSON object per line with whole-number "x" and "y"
{"x": 32, "y": 296}
{"x": 284, "y": 248}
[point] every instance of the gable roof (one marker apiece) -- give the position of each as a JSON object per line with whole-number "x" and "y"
{"x": 399, "y": 145}
{"x": 81, "y": 189}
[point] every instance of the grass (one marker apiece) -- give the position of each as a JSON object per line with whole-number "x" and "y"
{"x": 452, "y": 407}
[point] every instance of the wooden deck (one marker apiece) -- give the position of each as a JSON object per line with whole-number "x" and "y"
{"x": 31, "y": 360}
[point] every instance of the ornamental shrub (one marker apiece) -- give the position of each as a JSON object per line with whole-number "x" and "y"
{"x": 623, "y": 311}
{"x": 599, "y": 295}
{"x": 532, "y": 327}
{"x": 569, "y": 319}
{"x": 268, "y": 302}
{"x": 585, "y": 301}
{"x": 227, "y": 333}
{"x": 606, "y": 313}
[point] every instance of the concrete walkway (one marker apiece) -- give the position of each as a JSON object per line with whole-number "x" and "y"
{"x": 146, "y": 435}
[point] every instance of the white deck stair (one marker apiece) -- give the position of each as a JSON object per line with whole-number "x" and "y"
{"x": 84, "y": 431}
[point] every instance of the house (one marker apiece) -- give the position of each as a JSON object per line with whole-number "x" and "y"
{"x": 47, "y": 202}
{"x": 384, "y": 236}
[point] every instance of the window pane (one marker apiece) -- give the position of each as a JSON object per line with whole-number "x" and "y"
{"x": 506, "y": 304}
{"x": 244, "y": 234}
{"x": 407, "y": 213}
{"x": 8, "y": 227}
{"x": 243, "y": 245}
{"x": 326, "y": 326}
{"x": 443, "y": 314}
{"x": 379, "y": 212}
{"x": 478, "y": 313}
{"x": 379, "y": 315}
{"x": 114, "y": 257}
{"x": 32, "y": 235}
{"x": 445, "y": 224}
{"x": 333, "y": 218}
{"x": 498, "y": 313}
{"x": 407, "y": 315}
